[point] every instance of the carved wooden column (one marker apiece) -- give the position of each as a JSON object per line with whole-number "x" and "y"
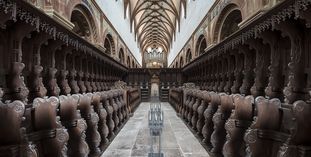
{"x": 249, "y": 64}
{"x": 238, "y": 76}
{"x": 205, "y": 100}
{"x": 240, "y": 119}
{"x": 73, "y": 75}
{"x": 261, "y": 70}
{"x": 80, "y": 75}
{"x": 35, "y": 80}
{"x": 223, "y": 74}
{"x": 109, "y": 109}
{"x": 16, "y": 88}
{"x": 94, "y": 82}
{"x": 63, "y": 72}
{"x": 48, "y": 59}
{"x": 216, "y": 75}
{"x": 211, "y": 109}
{"x": 87, "y": 75}
{"x": 76, "y": 126}
{"x": 295, "y": 88}
{"x": 276, "y": 81}
{"x": 218, "y": 137}
{"x": 230, "y": 73}
{"x": 197, "y": 103}
{"x": 102, "y": 124}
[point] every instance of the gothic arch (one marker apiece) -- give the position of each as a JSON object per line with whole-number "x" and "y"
{"x": 84, "y": 24}
{"x": 128, "y": 61}
{"x": 201, "y": 45}
{"x": 227, "y": 22}
{"x": 181, "y": 61}
{"x": 121, "y": 55}
{"x": 188, "y": 56}
{"x": 109, "y": 45}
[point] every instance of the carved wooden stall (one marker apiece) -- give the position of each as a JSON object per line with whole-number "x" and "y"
{"x": 56, "y": 96}
{"x": 168, "y": 78}
{"x": 256, "y": 87}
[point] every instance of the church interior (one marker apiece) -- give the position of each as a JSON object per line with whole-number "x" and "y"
{"x": 155, "y": 78}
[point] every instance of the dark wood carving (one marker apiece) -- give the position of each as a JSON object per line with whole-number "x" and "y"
{"x": 208, "y": 127}
{"x": 35, "y": 85}
{"x": 63, "y": 82}
{"x": 48, "y": 133}
{"x": 87, "y": 112}
{"x": 263, "y": 137}
{"x": 194, "y": 118}
{"x": 236, "y": 126}
{"x": 13, "y": 141}
{"x": 219, "y": 119}
{"x": 76, "y": 126}
{"x": 73, "y": 82}
{"x": 16, "y": 88}
{"x": 115, "y": 111}
{"x": 102, "y": 124}
{"x": 51, "y": 82}
{"x": 205, "y": 100}
{"x": 109, "y": 109}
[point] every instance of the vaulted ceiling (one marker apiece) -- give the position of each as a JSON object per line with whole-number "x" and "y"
{"x": 154, "y": 22}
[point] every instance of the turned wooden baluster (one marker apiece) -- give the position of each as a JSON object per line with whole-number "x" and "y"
{"x": 122, "y": 104}
{"x": 260, "y": 137}
{"x": 189, "y": 106}
{"x": 115, "y": 111}
{"x": 35, "y": 80}
{"x": 87, "y": 112}
{"x": 236, "y": 126}
{"x": 194, "y": 118}
{"x": 1, "y": 94}
{"x": 185, "y": 102}
{"x": 208, "y": 115}
{"x": 102, "y": 124}
{"x": 219, "y": 119}
{"x": 48, "y": 133}
{"x": 13, "y": 140}
{"x": 205, "y": 100}
{"x": 298, "y": 145}
{"x": 109, "y": 109}
{"x": 76, "y": 126}
{"x": 116, "y": 101}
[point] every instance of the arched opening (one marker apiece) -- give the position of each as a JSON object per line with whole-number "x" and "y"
{"x": 128, "y": 61}
{"x": 177, "y": 65}
{"x": 121, "y": 56}
{"x": 133, "y": 64}
{"x": 109, "y": 45}
{"x": 188, "y": 56}
{"x": 228, "y": 22}
{"x": 181, "y": 61}
{"x": 201, "y": 45}
{"x": 83, "y": 23}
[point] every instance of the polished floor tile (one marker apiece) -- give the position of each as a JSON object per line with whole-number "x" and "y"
{"x": 134, "y": 139}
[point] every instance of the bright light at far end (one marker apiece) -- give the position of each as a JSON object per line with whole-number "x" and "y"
{"x": 154, "y": 63}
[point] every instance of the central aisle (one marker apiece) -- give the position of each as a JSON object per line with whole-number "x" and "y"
{"x": 134, "y": 140}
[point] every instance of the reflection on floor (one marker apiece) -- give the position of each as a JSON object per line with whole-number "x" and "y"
{"x": 134, "y": 140}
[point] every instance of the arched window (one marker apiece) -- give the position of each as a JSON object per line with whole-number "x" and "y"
{"x": 188, "y": 56}
{"x": 109, "y": 45}
{"x": 83, "y": 22}
{"x": 227, "y": 23}
{"x": 128, "y": 61}
{"x": 201, "y": 45}
{"x": 121, "y": 56}
{"x": 230, "y": 24}
{"x": 181, "y": 62}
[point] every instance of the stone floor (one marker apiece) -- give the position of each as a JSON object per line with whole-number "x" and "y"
{"x": 134, "y": 140}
